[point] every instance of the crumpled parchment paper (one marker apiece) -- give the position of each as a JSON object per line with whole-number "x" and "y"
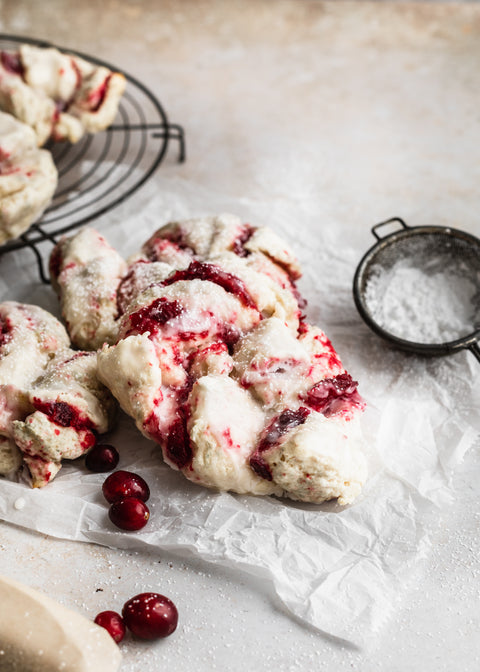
{"x": 339, "y": 569}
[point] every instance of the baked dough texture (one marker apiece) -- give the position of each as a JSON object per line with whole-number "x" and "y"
{"x": 86, "y": 272}
{"x": 52, "y": 403}
{"x": 38, "y": 634}
{"x": 60, "y": 95}
{"x": 45, "y": 96}
{"x": 28, "y": 178}
{"x": 210, "y": 354}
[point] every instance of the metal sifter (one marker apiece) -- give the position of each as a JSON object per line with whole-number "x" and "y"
{"x": 419, "y": 288}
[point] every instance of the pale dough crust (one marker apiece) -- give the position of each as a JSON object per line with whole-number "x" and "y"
{"x": 60, "y": 95}
{"x": 86, "y": 276}
{"x": 28, "y": 178}
{"x": 52, "y": 404}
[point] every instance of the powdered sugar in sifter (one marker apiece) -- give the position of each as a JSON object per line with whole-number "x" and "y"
{"x": 419, "y": 288}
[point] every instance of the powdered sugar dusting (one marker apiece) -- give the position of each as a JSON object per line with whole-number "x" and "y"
{"x": 432, "y": 304}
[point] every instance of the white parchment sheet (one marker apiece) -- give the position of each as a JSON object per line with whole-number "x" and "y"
{"x": 339, "y": 569}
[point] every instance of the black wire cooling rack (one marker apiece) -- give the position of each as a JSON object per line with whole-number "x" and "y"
{"x": 104, "y": 169}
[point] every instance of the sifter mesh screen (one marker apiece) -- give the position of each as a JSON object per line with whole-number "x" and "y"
{"x": 423, "y": 286}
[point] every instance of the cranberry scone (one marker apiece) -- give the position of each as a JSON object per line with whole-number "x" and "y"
{"x": 29, "y": 339}
{"x": 212, "y": 358}
{"x": 85, "y": 272}
{"x": 52, "y": 404}
{"x": 28, "y": 178}
{"x": 60, "y": 95}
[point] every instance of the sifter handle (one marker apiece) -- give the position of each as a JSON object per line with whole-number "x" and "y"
{"x": 388, "y": 221}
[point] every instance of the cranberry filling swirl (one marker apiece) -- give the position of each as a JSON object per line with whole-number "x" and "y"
{"x": 272, "y": 437}
{"x": 206, "y": 271}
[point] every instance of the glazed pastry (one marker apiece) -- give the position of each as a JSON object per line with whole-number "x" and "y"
{"x": 215, "y": 363}
{"x": 30, "y": 337}
{"x": 85, "y": 271}
{"x": 213, "y": 360}
{"x": 60, "y": 95}
{"x": 95, "y": 286}
{"x": 52, "y": 405}
{"x": 70, "y": 409}
{"x": 28, "y": 178}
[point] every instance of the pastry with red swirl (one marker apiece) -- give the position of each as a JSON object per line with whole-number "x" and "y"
{"x": 61, "y": 96}
{"x": 213, "y": 359}
{"x": 28, "y": 178}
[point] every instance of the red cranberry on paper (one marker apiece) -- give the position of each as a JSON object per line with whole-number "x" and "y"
{"x": 113, "y": 624}
{"x": 122, "y": 484}
{"x": 150, "y": 616}
{"x": 102, "y": 457}
{"x": 129, "y": 514}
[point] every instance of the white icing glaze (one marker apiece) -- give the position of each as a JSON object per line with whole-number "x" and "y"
{"x": 223, "y": 441}
{"x": 206, "y": 307}
{"x": 138, "y": 277}
{"x": 272, "y": 364}
{"x": 271, "y": 299}
{"x": 131, "y": 371}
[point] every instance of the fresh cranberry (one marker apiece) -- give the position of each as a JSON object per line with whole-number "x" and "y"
{"x": 150, "y": 615}
{"x": 122, "y": 484}
{"x": 113, "y": 624}
{"x": 102, "y": 457}
{"x": 129, "y": 514}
